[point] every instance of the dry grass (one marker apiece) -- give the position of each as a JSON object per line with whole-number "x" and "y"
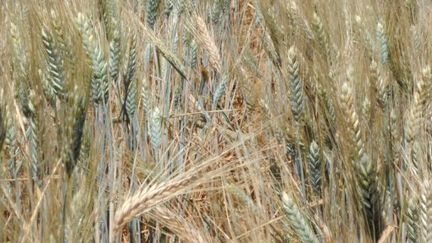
{"x": 215, "y": 121}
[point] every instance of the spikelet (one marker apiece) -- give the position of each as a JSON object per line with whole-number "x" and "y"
{"x": 226, "y": 5}
{"x": 382, "y": 43}
{"x": 177, "y": 95}
{"x": 328, "y": 104}
{"x": 11, "y": 143}
{"x": 111, "y": 17}
{"x": 151, "y": 12}
{"x": 85, "y": 148}
{"x": 3, "y": 120}
{"x": 155, "y": 128}
{"x": 33, "y": 142}
{"x": 296, "y": 84}
{"x": 193, "y": 54}
{"x": 62, "y": 42}
{"x": 370, "y": 195}
{"x": 353, "y": 122}
{"x": 74, "y": 132}
{"x": 24, "y": 95}
{"x": 270, "y": 49}
{"x": 381, "y": 83}
{"x": 314, "y": 159}
{"x": 297, "y": 220}
{"x": 220, "y": 89}
{"x": 365, "y": 36}
{"x": 54, "y": 62}
{"x": 148, "y": 54}
{"x": 425, "y": 92}
{"x": 100, "y": 86}
{"x": 112, "y": 23}
{"x": 412, "y": 219}
{"x": 146, "y": 97}
{"x": 200, "y": 108}
{"x": 19, "y": 61}
{"x": 131, "y": 99}
{"x": 26, "y": 105}
{"x": 58, "y": 30}
{"x": 415, "y": 39}
{"x": 322, "y": 36}
{"x": 114, "y": 58}
{"x": 168, "y": 7}
{"x": 48, "y": 90}
{"x": 216, "y": 11}
{"x": 416, "y": 111}
{"x": 394, "y": 133}
{"x": 366, "y": 107}
{"x": 196, "y": 25}
{"x": 425, "y": 212}
{"x": 412, "y": 127}
{"x": 299, "y": 22}
{"x": 99, "y": 82}
{"x": 244, "y": 197}
{"x": 131, "y": 59}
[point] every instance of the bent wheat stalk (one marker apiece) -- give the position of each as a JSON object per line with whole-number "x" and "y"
{"x": 149, "y": 197}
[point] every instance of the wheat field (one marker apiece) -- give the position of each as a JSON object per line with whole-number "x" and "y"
{"x": 215, "y": 121}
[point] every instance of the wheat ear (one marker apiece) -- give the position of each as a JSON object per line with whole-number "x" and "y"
{"x": 151, "y": 12}
{"x": 314, "y": 159}
{"x": 370, "y": 195}
{"x": 198, "y": 28}
{"x": 297, "y": 220}
{"x": 296, "y": 84}
{"x": 322, "y": 36}
{"x": 383, "y": 43}
{"x": 155, "y": 128}
{"x": 54, "y": 63}
{"x": 99, "y": 83}
{"x": 347, "y": 100}
{"x": 425, "y": 212}
{"x": 412, "y": 215}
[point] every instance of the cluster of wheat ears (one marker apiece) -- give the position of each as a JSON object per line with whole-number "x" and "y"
{"x": 215, "y": 121}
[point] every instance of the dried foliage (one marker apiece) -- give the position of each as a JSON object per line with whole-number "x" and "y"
{"x": 215, "y": 121}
